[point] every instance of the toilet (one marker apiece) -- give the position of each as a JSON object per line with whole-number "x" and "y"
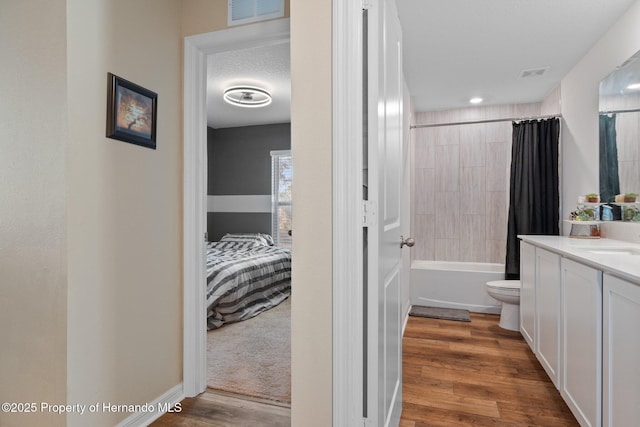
{"x": 507, "y": 292}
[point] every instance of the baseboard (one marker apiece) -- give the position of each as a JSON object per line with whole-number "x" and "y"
{"x": 406, "y": 319}
{"x": 160, "y": 405}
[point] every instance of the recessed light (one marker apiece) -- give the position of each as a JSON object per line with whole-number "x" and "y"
{"x": 247, "y": 96}
{"x": 476, "y": 100}
{"x": 634, "y": 86}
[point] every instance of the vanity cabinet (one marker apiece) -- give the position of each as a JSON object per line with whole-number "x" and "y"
{"x": 580, "y": 314}
{"x": 528, "y": 293}
{"x": 548, "y": 312}
{"x": 581, "y": 338}
{"x": 621, "y": 353}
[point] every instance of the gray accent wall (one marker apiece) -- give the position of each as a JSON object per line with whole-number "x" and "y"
{"x": 239, "y": 164}
{"x": 219, "y": 223}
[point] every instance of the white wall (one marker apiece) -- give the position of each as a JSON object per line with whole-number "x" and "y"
{"x": 579, "y": 93}
{"x": 33, "y": 285}
{"x": 124, "y": 206}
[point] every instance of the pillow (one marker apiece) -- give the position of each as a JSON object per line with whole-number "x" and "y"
{"x": 245, "y": 237}
{"x": 268, "y": 238}
{"x": 235, "y": 246}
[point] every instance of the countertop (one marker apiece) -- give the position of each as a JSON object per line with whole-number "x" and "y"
{"x": 623, "y": 266}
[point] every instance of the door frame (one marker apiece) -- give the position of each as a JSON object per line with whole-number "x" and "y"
{"x": 348, "y": 304}
{"x": 348, "y": 379}
{"x": 196, "y": 50}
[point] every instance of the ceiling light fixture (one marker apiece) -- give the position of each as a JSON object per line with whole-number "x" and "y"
{"x": 634, "y": 86}
{"x": 476, "y": 100}
{"x": 247, "y": 96}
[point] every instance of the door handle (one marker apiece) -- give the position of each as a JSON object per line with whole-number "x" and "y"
{"x": 408, "y": 241}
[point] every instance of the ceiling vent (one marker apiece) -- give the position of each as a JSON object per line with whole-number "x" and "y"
{"x": 246, "y": 11}
{"x": 534, "y": 72}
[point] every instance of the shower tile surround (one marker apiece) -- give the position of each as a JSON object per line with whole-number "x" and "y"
{"x": 461, "y": 183}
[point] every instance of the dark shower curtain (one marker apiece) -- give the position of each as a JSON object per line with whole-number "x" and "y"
{"x": 534, "y": 198}
{"x": 609, "y": 178}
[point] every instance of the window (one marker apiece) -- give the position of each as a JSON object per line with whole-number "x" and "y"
{"x": 246, "y": 11}
{"x": 281, "y": 178}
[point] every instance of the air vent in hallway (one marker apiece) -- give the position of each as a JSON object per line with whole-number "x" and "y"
{"x": 245, "y": 11}
{"x": 533, "y": 72}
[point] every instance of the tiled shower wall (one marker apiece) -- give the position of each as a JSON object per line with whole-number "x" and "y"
{"x": 460, "y": 184}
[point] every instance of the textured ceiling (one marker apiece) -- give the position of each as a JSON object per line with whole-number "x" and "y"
{"x": 453, "y": 50}
{"x": 265, "y": 67}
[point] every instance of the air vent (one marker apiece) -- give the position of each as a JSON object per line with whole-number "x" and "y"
{"x": 533, "y": 72}
{"x": 246, "y": 11}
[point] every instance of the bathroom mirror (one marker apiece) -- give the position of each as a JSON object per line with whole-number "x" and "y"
{"x": 619, "y": 108}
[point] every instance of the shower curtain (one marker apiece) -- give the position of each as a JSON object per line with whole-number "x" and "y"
{"x": 609, "y": 178}
{"x": 534, "y": 197}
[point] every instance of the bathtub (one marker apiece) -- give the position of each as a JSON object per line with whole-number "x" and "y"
{"x": 454, "y": 285}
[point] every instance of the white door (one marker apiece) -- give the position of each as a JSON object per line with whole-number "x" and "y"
{"x": 385, "y": 148}
{"x": 581, "y": 351}
{"x": 621, "y": 352}
{"x": 528, "y": 294}
{"x": 548, "y": 312}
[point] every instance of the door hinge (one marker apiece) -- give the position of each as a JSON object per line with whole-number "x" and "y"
{"x": 369, "y": 213}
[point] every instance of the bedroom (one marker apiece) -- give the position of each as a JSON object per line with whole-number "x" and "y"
{"x": 249, "y": 159}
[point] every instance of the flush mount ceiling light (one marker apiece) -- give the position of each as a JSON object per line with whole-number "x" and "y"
{"x": 634, "y": 86}
{"x": 476, "y": 100}
{"x": 247, "y": 96}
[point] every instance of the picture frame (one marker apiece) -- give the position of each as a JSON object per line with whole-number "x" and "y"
{"x": 131, "y": 112}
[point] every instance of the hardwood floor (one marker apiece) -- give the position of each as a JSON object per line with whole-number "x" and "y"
{"x": 454, "y": 374}
{"x": 221, "y": 409}
{"x": 475, "y": 373}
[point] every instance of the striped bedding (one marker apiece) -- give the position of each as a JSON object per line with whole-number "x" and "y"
{"x": 244, "y": 279}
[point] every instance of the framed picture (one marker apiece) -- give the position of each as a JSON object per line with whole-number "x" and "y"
{"x": 131, "y": 112}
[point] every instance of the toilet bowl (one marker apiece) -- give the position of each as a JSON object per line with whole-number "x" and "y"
{"x": 507, "y": 292}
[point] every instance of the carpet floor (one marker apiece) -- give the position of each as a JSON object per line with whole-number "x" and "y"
{"x": 253, "y": 357}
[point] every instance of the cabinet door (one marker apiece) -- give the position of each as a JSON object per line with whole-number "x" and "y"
{"x": 581, "y": 367}
{"x": 528, "y": 293}
{"x": 548, "y": 312}
{"x": 621, "y": 353}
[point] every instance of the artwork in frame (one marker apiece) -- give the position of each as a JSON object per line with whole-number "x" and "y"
{"x": 131, "y": 112}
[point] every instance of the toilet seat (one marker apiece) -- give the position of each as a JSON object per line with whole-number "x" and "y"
{"x": 507, "y": 284}
{"x": 505, "y": 287}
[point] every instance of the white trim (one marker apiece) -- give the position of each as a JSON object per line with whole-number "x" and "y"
{"x": 280, "y": 153}
{"x": 347, "y": 215}
{"x": 245, "y": 204}
{"x": 194, "y": 219}
{"x": 160, "y": 405}
{"x": 195, "y": 183}
{"x": 406, "y": 319}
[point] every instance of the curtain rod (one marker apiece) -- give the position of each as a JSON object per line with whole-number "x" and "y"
{"x": 619, "y": 111}
{"x": 510, "y": 119}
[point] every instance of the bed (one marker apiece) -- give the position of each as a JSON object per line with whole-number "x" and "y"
{"x": 246, "y": 275}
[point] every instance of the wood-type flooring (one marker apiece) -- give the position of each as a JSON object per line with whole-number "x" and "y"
{"x": 475, "y": 374}
{"x": 221, "y": 409}
{"x": 454, "y": 374}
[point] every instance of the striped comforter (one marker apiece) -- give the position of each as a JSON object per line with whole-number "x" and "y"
{"x": 244, "y": 279}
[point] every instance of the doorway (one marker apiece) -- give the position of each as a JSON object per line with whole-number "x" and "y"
{"x": 196, "y": 49}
